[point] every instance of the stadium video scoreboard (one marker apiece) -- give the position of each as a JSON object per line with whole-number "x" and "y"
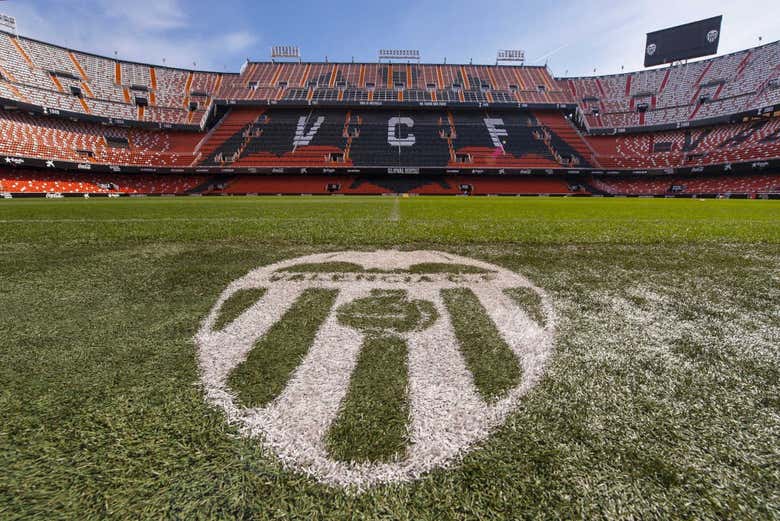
{"x": 683, "y": 42}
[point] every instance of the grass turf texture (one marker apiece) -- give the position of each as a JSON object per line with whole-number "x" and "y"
{"x": 265, "y": 373}
{"x": 372, "y": 424}
{"x": 660, "y": 401}
{"x": 372, "y": 421}
{"x": 239, "y": 302}
{"x": 491, "y": 361}
{"x": 530, "y": 301}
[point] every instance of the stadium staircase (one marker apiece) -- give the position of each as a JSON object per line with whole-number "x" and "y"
{"x": 210, "y": 185}
{"x": 566, "y": 130}
{"x": 232, "y": 124}
{"x": 22, "y": 52}
{"x": 590, "y": 185}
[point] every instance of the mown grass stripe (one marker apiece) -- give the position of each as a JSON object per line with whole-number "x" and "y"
{"x": 530, "y": 301}
{"x": 265, "y": 372}
{"x": 238, "y": 302}
{"x": 372, "y": 425}
{"x": 490, "y": 360}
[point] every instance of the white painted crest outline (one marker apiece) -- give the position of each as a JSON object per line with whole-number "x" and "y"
{"x": 448, "y": 416}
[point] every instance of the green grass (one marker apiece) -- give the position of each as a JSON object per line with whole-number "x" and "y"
{"x": 355, "y": 221}
{"x": 530, "y": 301}
{"x": 265, "y": 373}
{"x": 491, "y": 361}
{"x": 660, "y": 401}
{"x": 233, "y": 307}
{"x": 372, "y": 422}
{"x": 387, "y": 312}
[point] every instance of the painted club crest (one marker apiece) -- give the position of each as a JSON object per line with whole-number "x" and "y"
{"x": 712, "y": 36}
{"x": 651, "y": 49}
{"x": 404, "y": 298}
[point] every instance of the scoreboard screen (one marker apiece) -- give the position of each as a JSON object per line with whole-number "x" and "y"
{"x": 683, "y": 42}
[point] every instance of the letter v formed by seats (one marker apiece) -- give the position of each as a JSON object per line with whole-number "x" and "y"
{"x": 303, "y": 138}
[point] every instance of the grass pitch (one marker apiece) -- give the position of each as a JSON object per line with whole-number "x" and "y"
{"x": 661, "y": 401}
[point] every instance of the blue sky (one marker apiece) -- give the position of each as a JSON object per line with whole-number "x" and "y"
{"x": 573, "y": 36}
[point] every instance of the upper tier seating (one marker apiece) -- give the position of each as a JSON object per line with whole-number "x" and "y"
{"x": 60, "y": 79}
{"x": 56, "y": 78}
{"x": 394, "y": 82}
{"x": 60, "y": 139}
{"x": 47, "y": 75}
{"x": 728, "y": 84}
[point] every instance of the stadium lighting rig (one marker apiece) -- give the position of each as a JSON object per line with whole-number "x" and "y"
{"x": 399, "y": 55}
{"x": 285, "y": 52}
{"x": 510, "y": 55}
{"x": 8, "y": 22}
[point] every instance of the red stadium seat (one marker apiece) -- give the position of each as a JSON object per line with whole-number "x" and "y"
{"x": 63, "y": 105}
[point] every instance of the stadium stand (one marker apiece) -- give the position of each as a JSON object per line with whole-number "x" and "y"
{"x": 394, "y": 83}
{"x": 56, "y": 78}
{"x": 730, "y": 84}
{"x": 254, "y": 137}
{"x": 26, "y": 135}
{"x": 691, "y": 147}
{"x": 66, "y": 80}
{"x": 420, "y": 138}
{"x": 698, "y": 185}
{"x": 43, "y": 182}
{"x": 30, "y": 182}
{"x": 414, "y": 121}
{"x": 62, "y": 79}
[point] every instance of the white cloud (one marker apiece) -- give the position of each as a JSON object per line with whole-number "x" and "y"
{"x": 573, "y": 36}
{"x": 577, "y": 36}
{"x": 153, "y": 15}
{"x": 149, "y": 31}
{"x": 238, "y": 41}
{"x": 614, "y": 34}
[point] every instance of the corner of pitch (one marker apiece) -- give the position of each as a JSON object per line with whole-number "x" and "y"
{"x": 324, "y": 328}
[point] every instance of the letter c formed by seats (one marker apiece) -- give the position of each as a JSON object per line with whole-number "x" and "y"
{"x": 393, "y": 139}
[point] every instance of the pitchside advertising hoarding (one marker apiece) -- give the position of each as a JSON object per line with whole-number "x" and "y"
{"x": 683, "y": 42}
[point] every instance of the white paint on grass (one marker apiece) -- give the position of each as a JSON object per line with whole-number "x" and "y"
{"x": 395, "y": 213}
{"x": 448, "y": 417}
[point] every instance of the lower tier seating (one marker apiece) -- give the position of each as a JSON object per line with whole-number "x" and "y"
{"x": 47, "y": 182}
{"x": 437, "y": 138}
{"x": 657, "y": 185}
{"x": 756, "y": 140}
{"x": 375, "y": 185}
{"x": 29, "y": 182}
